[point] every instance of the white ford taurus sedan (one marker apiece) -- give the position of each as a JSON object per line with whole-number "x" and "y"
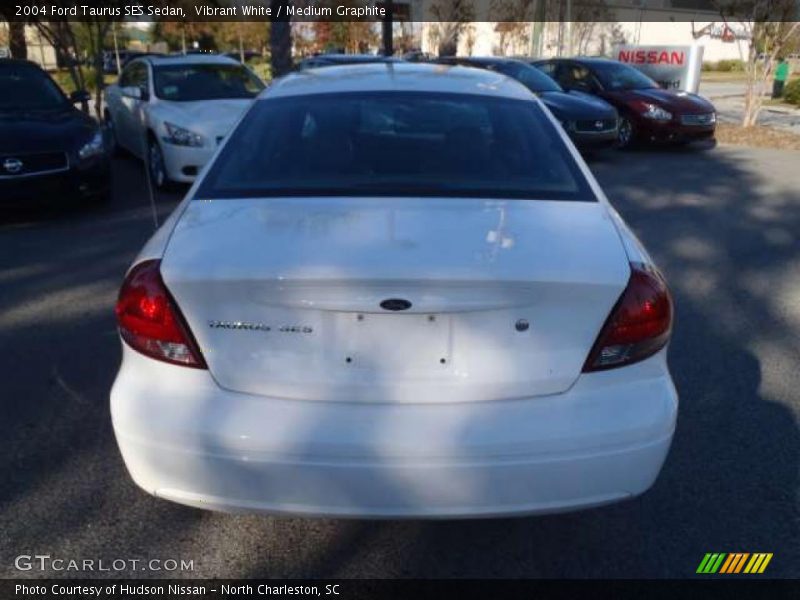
{"x": 397, "y": 291}
{"x": 173, "y": 111}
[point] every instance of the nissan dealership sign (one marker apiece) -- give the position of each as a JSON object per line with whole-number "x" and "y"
{"x": 673, "y": 67}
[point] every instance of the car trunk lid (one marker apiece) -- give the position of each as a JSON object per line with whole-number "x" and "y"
{"x": 506, "y": 297}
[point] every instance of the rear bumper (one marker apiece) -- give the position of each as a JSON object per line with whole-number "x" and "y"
{"x": 186, "y": 440}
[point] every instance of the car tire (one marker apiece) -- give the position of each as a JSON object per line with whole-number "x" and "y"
{"x": 156, "y": 166}
{"x": 626, "y": 135}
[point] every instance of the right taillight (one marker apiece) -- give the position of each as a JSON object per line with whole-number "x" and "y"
{"x": 149, "y": 320}
{"x": 640, "y": 323}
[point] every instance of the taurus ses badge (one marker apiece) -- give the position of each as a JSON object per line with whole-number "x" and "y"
{"x": 395, "y": 304}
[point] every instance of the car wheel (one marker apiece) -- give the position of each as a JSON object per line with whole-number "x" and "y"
{"x": 626, "y": 133}
{"x": 156, "y": 166}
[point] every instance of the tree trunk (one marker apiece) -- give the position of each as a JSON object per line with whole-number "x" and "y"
{"x": 280, "y": 39}
{"x": 388, "y": 29}
{"x": 98, "y": 94}
{"x": 448, "y": 43}
{"x": 752, "y": 102}
{"x": 16, "y": 40}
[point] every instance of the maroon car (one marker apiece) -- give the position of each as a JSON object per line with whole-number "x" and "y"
{"x": 648, "y": 113}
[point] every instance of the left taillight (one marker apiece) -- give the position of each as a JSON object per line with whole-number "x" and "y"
{"x": 150, "y": 321}
{"x": 640, "y": 324}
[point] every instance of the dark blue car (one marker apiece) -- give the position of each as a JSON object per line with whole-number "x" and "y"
{"x": 590, "y": 122}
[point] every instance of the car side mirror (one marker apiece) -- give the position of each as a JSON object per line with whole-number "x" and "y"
{"x": 79, "y": 96}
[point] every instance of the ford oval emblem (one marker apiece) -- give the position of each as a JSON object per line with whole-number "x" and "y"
{"x": 395, "y": 304}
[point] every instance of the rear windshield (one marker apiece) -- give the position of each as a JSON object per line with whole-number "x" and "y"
{"x": 396, "y": 144}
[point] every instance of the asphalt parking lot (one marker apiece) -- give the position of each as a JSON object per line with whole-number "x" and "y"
{"x": 724, "y": 225}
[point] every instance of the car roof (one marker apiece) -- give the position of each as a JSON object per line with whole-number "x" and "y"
{"x": 328, "y": 60}
{"x": 589, "y": 60}
{"x": 397, "y": 77}
{"x": 488, "y": 60}
{"x": 188, "y": 59}
{"x": 349, "y": 57}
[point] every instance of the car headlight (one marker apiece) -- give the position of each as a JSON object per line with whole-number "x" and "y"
{"x": 655, "y": 112}
{"x": 94, "y": 147}
{"x": 180, "y": 136}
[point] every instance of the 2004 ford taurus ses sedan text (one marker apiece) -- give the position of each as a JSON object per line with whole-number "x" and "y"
{"x": 397, "y": 291}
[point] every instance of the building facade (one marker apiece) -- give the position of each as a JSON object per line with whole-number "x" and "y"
{"x": 592, "y": 30}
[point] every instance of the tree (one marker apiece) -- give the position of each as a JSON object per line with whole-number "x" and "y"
{"x": 94, "y": 34}
{"x": 241, "y": 35}
{"x": 280, "y": 39}
{"x": 343, "y": 36}
{"x": 405, "y": 40}
{"x": 452, "y": 15}
{"x": 766, "y": 23}
{"x": 16, "y": 39}
{"x": 180, "y": 34}
{"x": 81, "y": 39}
{"x": 304, "y": 39}
{"x": 589, "y": 19}
{"x": 61, "y": 36}
{"x": 512, "y": 27}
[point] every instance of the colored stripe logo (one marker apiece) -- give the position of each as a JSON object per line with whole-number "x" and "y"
{"x": 734, "y": 562}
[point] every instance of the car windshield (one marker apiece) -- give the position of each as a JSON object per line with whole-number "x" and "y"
{"x": 27, "y": 88}
{"x": 191, "y": 82}
{"x": 396, "y": 144}
{"x": 616, "y": 76}
{"x": 536, "y": 81}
